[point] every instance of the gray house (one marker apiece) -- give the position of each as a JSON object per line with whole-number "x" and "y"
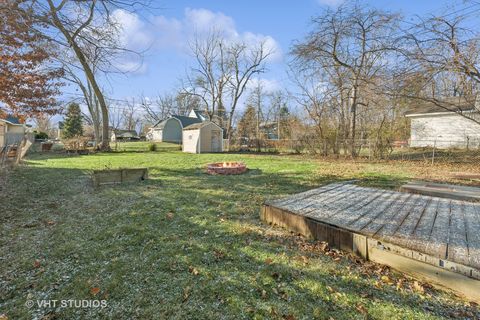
{"x": 11, "y": 131}
{"x": 170, "y": 129}
{"x": 432, "y": 125}
{"x": 123, "y": 135}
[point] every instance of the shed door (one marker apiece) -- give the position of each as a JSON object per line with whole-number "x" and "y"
{"x": 216, "y": 141}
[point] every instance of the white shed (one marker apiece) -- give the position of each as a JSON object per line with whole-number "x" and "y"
{"x": 203, "y": 137}
{"x": 436, "y": 126}
{"x": 170, "y": 129}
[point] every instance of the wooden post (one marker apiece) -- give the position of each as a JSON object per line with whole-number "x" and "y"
{"x": 433, "y": 153}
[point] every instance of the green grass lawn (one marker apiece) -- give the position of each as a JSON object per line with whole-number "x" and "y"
{"x": 186, "y": 245}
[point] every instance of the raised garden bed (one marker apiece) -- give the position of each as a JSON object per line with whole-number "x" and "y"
{"x": 116, "y": 176}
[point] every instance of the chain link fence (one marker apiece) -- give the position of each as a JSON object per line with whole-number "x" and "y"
{"x": 460, "y": 151}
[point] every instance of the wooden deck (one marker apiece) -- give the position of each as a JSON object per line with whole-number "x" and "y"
{"x": 431, "y": 237}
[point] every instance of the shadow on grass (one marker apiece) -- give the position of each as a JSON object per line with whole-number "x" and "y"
{"x": 175, "y": 246}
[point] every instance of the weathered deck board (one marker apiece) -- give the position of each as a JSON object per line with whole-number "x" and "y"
{"x": 443, "y": 228}
{"x": 306, "y": 202}
{"x": 457, "y": 246}
{"x": 420, "y": 236}
{"x": 472, "y": 220}
{"x": 403, "y": 225}
{"x": 427, "y": 236}
{"x": 439, "y": 237}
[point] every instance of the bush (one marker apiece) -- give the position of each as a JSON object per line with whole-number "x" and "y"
{"x": 152, "y": 147}
{"x": 41, "y": 135}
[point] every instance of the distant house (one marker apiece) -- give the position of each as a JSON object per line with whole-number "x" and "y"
{"x": 203, "y": 137}
{"x": 198, "y": 114}
{"x": 269, "y": 129}
{"x": 11, "y": 131}
{"x": 123, "y": 135}
{"x": 170, "y": 129}
{"x": 432, "y": 125}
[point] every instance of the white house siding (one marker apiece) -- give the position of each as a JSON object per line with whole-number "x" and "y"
{"x": 207, "y": 133}
{"x": 11, "y": 133}
{"x": 444, "y": 131}
{"x": 191, "y": 141}
{"x": 155, "y": 134}
{"x": 200, "y": 140}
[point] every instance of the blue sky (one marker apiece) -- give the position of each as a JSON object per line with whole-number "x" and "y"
{"x": 164, "y": 31}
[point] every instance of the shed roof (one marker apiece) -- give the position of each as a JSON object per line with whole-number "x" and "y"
{"x": 185, "y": 121}
{"x": 120, "y": 132}
{"x": 200, "y": 125}
{"x": 447, "y": 105}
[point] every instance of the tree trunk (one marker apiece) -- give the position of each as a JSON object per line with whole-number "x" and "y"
{"x": 353, "y": 122}
{"x": 105, "y": 145}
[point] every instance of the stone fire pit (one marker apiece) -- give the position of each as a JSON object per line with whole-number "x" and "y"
{"x": 226, "y": 168}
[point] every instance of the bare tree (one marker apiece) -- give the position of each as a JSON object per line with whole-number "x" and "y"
{"x": 244, "y": 63}
{"x": 351, "y": 43}
{"x": 222, "y": 73}
{"x": 209, "y": 78}
{"x": 130, "y": 115}
{"x": 443, "y": 63}
{"x": 91, "y": 26}
{"x": 43, "y": 123}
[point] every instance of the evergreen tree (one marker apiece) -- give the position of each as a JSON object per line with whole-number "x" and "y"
{"x": 247, "y": 126}
{"x": 73, "y": 125}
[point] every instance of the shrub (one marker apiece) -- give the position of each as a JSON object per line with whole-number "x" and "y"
{"x": 41, "y": 135}
{"x": 152, "y": 147}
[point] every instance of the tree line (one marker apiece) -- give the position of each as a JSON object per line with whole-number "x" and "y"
{"x": 353, "y": 75}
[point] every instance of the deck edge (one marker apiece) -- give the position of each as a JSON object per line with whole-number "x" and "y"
{"x": 442, "y": 273}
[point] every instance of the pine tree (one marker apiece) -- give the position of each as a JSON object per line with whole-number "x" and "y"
{"x": 247, "y": 126}
{"x": 72, "y": 125}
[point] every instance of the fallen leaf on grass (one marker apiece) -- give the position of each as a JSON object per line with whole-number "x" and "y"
{"x": 399, "y": 284}
{"x": 264, "y": 294}
{"x": 289, "y": 317}
{"x": 268, "y": 261}
{"x": 94, "y": 291}
{"x": 50, "y": 223}
{"x": 386, "y": 280}
{"x": 418, "y": 287}
{"x": 193, "y": 270}
{"x": 219, "y": 254}
{"x": 170, "y": 215}
{"x": 186, "y": 293}
{"x": 361, "y": 308}
{"x": 36, "y": 263}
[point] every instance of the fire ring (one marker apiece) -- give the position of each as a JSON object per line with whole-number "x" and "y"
{"x": 226, "y": 168}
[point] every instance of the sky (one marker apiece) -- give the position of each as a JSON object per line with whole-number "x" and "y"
{"x": 163, "y": 32}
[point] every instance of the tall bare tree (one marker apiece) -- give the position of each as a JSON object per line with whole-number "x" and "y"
{"x": 82, "y": 26}
{"x": 351, "y": 42}
{"x": 223, "y": 70}
{"x": 443, "y": 63}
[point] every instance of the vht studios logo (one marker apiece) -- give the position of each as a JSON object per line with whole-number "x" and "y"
{"x": 70, "y": 303}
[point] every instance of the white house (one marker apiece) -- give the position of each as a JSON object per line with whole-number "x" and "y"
{"x": 203, "y": 137}
{"x": 11, "y": 131}
{"x": 170, "y": 129}
{"x": 117, "y": 135}
{"x": 432, "y": 125}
